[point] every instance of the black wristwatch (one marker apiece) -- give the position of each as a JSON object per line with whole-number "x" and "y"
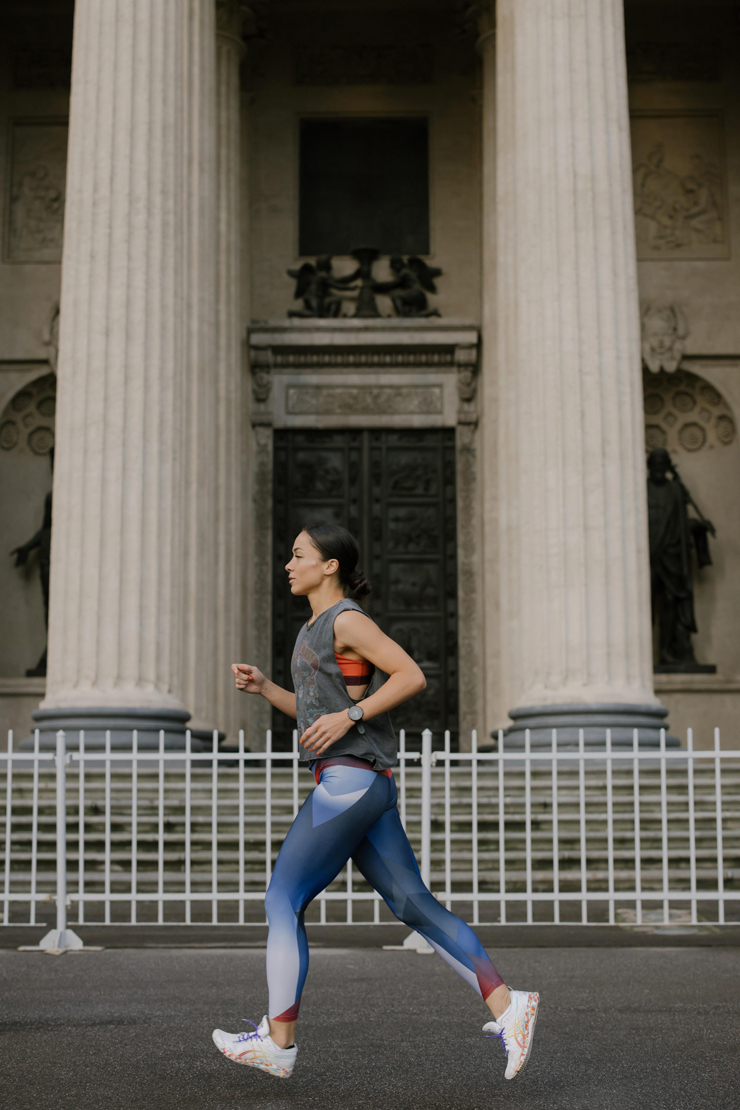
{"x": 355, "y": 714}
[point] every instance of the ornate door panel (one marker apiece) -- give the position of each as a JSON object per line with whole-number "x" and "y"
{"x": 395, "y": 491}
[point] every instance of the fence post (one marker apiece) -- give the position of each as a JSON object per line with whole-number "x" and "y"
{"x": 426, "y": 806}
{"x": 61, "y": 939}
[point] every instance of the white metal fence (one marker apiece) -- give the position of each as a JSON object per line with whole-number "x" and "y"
{"x": 585, "y": 836}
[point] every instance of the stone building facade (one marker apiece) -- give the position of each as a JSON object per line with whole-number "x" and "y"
{"x": 572, "y": 169}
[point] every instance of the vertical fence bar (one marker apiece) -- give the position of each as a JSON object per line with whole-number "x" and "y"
{"x": 426, "y": 807}
{"x": 80, "y": 831}
{"x": 34, "y": 827}
{"x": 636, "y": 808}
{"x": 664, "y": 827}
{"x": 501, "y": 830}
{"x": 610, "y": 823}
{"x": 692, "y": 821}
{"x": 8, "y": 812}
{"x": 61, "y": 830}
{"x": 528, "y": 819}
{"x": 160, "y": 829}
{"x": 349, "y": 892}
{"x": 107, "y": 826}
{"x": 268, "y": 807}
{"x": 474, "y": 822}
{"x": 402, "y": 775}
{"x": 720, "y": 842}
{"x": 555, "y": 832}
{"x": 241, "y": 826}
{"x": 448, "y": 823}
{"x": 582, "y": 824}
{"x": 188, "y": 823}
{"x": 135, "y": 824}
{"x": 214, "y": 829}
{"x": 295, "y": 773}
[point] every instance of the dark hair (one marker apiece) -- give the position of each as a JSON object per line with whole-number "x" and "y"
{"x": 334, "y": 542}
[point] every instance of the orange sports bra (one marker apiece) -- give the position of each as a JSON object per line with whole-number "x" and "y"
{"x": 356, "y": 672}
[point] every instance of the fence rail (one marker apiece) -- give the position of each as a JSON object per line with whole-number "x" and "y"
{"x": 557, "y": 835}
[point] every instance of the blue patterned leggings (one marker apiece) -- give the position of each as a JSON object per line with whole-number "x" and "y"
{"x": 352, "y": 813}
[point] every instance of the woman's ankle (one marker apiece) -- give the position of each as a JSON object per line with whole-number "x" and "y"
{"x": 499, "y": 1001}
{"x": 282, "y": 1033}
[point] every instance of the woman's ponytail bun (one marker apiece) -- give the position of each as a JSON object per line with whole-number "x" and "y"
{"x": 358, "y": 585}
{"x": 334, "y": 542}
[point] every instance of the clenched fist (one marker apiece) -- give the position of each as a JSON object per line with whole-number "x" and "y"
{"x": 250, "y": 679}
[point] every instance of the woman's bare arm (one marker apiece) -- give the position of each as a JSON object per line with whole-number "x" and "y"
{"x": 252, "y": 681}
{"x": 361, "y": 635}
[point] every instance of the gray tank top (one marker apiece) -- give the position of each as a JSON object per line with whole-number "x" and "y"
{"x": 319, "y": 689}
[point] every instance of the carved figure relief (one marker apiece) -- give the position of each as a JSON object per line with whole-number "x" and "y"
{"x": 664, "y": 330}
{"x": 684, "y": 412}
{"x": 27, "y": 422}
{"x": 317, "y": 286}
{"x": 260, "y": 363}
{"x": 679, "y": 186}
{"x": 314, "y": 285}
{"x": 38, "y": 173}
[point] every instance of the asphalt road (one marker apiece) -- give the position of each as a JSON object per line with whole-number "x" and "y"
{"x": 619, "y": 1028}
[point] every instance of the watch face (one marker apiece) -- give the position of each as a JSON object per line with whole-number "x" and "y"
{"x": 355, "y": 713}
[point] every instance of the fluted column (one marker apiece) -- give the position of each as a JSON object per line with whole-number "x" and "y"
{"x": 574, "y": 590}
{"x": 230, "y": 503}
{"x": 201, "y": 472}
{"x": 490, "y": 665}
{"x": 121, "y": 486}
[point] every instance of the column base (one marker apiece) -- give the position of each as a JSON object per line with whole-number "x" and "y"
{"x": 120, "y": 723}
{"x": 594, "y": 719}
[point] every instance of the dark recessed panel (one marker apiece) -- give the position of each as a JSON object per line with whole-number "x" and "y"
{"x": 364, "y": 183}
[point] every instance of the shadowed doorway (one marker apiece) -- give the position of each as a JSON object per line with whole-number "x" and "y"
{"x": 395, "y": 491}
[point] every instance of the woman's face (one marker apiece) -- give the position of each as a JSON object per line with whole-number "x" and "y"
{"x": 308, "y": 568}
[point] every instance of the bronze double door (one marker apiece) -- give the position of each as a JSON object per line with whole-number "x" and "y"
{"x": 395, "y": 491}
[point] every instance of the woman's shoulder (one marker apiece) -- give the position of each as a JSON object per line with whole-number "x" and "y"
{"x": 349, "y": 621}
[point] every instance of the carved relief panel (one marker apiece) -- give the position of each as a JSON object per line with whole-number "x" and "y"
{"x": 37, "y": 184}
{"x": 679, "y": 178}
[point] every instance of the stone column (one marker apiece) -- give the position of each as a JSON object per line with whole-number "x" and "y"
{"x": 487, "y": 440}
{"x": 122, "y": 485}
{"x": 200, "y": 471}
{"x": 575, "y": 642}
{"x": 230, "y": 500}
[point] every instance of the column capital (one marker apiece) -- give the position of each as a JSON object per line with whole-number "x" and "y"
{"x": 231, "y": 15}
{"x": 484, "y": 15}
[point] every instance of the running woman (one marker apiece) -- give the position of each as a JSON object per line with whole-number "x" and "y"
{"x": 347, "y": 675}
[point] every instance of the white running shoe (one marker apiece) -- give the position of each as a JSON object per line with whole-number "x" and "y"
{"x": 257, "y": 1049}
{"x": 515, "y": 1027}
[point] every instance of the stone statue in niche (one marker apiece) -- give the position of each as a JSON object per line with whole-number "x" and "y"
{"x": 664, "y": 331}
{"x": 408, "y": 289}
{"x": 42, "y": 541}
{"x": 672, "y": 534}
{"x": 315, "y": 285}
